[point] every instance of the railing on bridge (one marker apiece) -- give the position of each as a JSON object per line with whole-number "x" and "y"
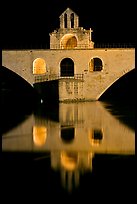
{"x": 70, "y": 47}
{"x": 96, "y": 45}
{"x": 56, "y": 46}
{"x": 50, "y": 77}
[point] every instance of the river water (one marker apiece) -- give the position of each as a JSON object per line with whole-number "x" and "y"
{"x": 71, "y": 152}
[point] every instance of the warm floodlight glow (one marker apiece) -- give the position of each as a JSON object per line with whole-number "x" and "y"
{"x": 69, "y": 160}
{"x": 39, "y": 66}
{"x": 39, "y": 135}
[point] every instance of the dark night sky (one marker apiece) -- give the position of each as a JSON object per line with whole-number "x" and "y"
{"x": 26, "y": 24}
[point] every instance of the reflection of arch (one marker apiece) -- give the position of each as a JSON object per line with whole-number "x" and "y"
{"x": 69, "y": 160}
{"x": 68, "y": 41}
{"x": 39, "y": 66}
{"x": 95, "y": 64}
{"x": 67, "y": 67}
{"x": 95, "y": 136}
{"x": 67, "y": 134}
{"x": 39, "y": 135}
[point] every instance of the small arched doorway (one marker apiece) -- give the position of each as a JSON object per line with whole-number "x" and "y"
{"x": 67, "y": 67}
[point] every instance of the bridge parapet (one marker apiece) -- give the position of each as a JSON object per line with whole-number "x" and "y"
{"x": 50, "y": 77}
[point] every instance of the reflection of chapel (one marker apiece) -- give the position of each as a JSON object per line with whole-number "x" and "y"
{"x": 70, "y": 35}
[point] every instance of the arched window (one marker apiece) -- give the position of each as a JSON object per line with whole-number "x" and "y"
{"x": 97, "y": 64}
{"x": 65, "y": 20}
{"x": 67, "y": 67}
{"x": 39, "y": 66}
{"x": 72, "y": 20}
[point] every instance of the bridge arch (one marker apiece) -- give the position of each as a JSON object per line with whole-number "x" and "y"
{"x": 39, "y": 66}
{"x": 68, "y": 41}
{"x": 125, "y": 79}
{"x": 95, "y": 64}
{"x": 14, "y": 76}
{"x": 67, "y": 67}
{"x": 17, "y": 93}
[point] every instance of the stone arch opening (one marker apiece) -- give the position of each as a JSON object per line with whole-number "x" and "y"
{"x": 67, "y": 67}
{"x": 72, "y": 20}
{"x": 121, "y": 87}
{"x": 39, "y": 66}
{"x": 95, "y": 64}
{"x": 65, "y": 20}
{"x": 69, "y": 41}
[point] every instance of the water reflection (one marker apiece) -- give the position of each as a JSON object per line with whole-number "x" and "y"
{"x": 39, "y": 135}
{"x": 83, "y": 130}
{"x": 72, "y": 164}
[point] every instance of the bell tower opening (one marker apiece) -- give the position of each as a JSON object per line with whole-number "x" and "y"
{"x": 72, "y": 20}
{"x": 69, "y": 19}
{"x": 65, "y": 20}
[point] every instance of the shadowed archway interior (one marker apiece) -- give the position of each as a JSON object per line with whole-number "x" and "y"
{"x": 67, "y": 67}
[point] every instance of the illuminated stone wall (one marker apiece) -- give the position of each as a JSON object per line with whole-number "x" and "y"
{"x": 116, "y": 62}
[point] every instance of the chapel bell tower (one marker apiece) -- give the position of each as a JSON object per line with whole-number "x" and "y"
{"x": 70, "y": 35}
{"x": 69, "y": 19}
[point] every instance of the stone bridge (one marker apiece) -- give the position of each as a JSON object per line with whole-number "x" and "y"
{"x": 73, "y": 68}
{"x": 82, "y": 74}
